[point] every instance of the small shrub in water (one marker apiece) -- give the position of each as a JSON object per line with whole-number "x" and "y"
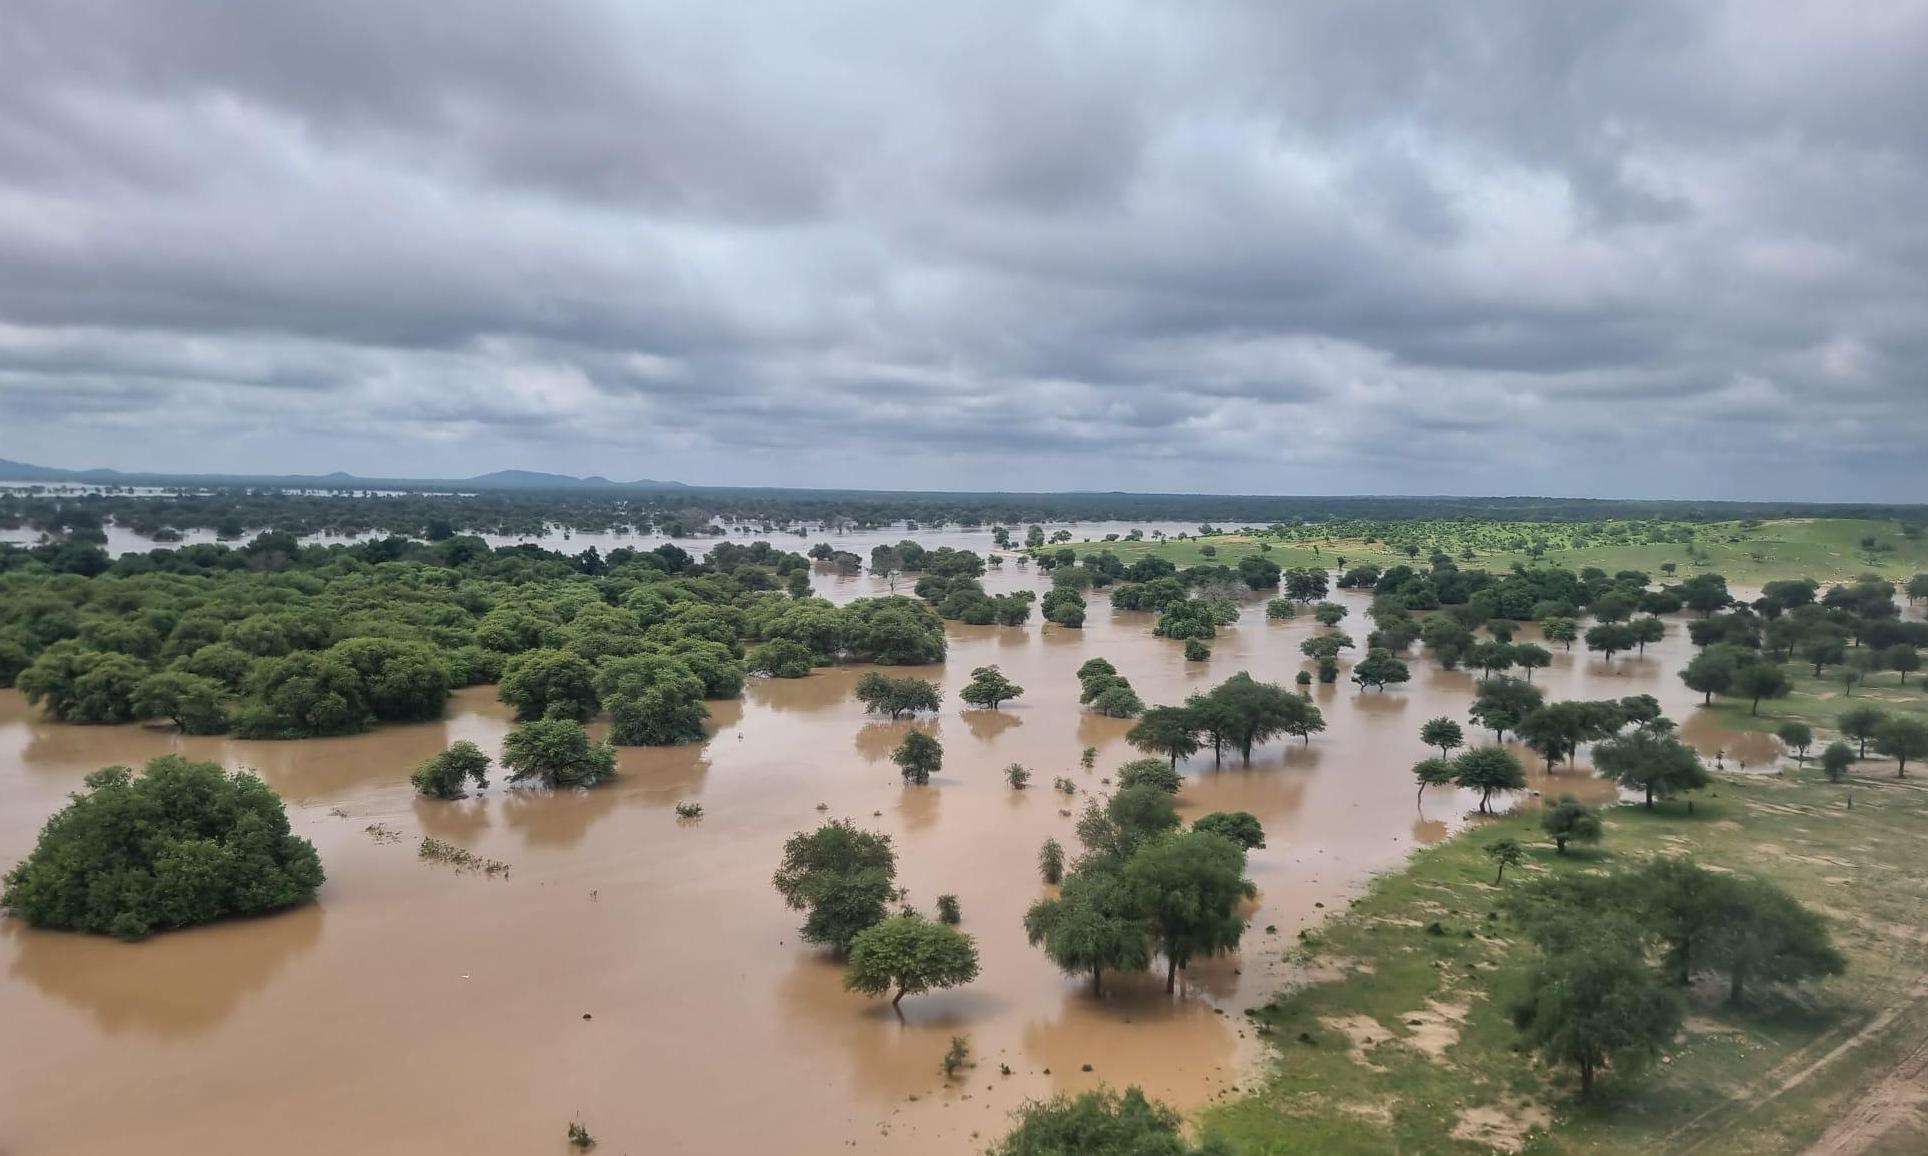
{"x": 1017, "y": 776}
{"x": 947, "y": 910}
{"x": 958, "y": 1056}
{"x": 579, "y": 1136}
{"x": 689, "y": 810}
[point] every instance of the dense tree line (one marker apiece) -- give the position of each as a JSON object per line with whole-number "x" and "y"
{"x": 278, "y": 640}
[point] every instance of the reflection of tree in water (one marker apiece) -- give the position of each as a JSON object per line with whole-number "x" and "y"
{"x": 1383, "y": 707}
{"x": 1095, "y": 730}
{"x": 1426, "y": 831}
{"x": 1704, "y": 731}
{"x": 455, "y": 820}
{"x": 891, "y": 1056}
{"x": 176, "y": 985}
{"x": 1134, "y": 1034}
{"x": 986, "y": 725}
{"x": 919, "y": 806}
{"x": 556, "y": 818}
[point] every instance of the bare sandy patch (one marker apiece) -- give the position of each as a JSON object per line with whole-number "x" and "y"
{"x": 1505, "y": 1125}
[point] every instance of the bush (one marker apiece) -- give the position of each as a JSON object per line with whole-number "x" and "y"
{"x": 558, "y": 752}
{"x": 1098, "y": 1123}
{"x": 445, "y": 775}
{"x": 181, "y": 844}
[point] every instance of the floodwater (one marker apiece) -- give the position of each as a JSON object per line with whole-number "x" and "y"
{"x": 126, "y": 540}
{"x": 638, "y": 972}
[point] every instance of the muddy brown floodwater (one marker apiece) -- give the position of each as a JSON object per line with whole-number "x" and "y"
{"x": 637, "y": 972}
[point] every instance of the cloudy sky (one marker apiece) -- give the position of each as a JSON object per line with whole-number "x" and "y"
{"x": 1614, "y": 249}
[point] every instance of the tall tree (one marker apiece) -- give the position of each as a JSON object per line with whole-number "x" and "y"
{"x": 1188, "y": 888}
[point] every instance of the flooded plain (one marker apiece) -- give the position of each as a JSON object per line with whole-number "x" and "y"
{"x": 637, "y": 971}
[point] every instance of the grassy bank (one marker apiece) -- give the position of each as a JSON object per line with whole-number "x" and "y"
{"x": 1820, "y": 701}
{"x": 1747, "y": 553}
{"x": 1424, "y": 967}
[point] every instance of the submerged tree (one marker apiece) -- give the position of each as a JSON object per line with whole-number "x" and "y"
{"x": 1097, "y": 1123}
{"x": 558, "y": 752}
{"x": 445, "y": 775}
{"x": 909, "y": 955}
{"x": 988, "y": 687}
{"x": 1188, "y": 887}
{"x": 919, "y": 757}
{"x": 180, "y": 844}
{"x": 1090, "y": 928}
{"x": 841, "y": 876}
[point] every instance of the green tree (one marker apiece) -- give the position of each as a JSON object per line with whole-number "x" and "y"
{"x": 1659, "y": 765}
{"x": 1531, "y": 658}
{"x": 1836, "y": 759}
{"x": 1097, "y": 1123}
{"x": 1241, "y": 827}
{"x": 1434, "y": 772}
{"x": 195, "y": 705}
{"x": 1796, "y": 737}
{"x": 1759, "y": 680}
{"x": 910, "y": 955}
{"x": 1597, "y": 1003}
{"x": 1118, "y": 701}
{"x": 78, "y": 685}
{"x": 1051, "y": 862}
{"x": 841, "y": 877}
{"x": 301, "y": 695}
{"x": 1487, "y": 770}
{"x": 181, "y": 844}
{"x": 1379, "y": 667}
{"x": 1560, "y": 630}
{"x": 653, "y": 700}
{"x": 1568, "y": 819}
{"x": 1501, "y": 704}
{"x": 1711, "y": 672}
{"x": 1902, "y": 738}
{"x": 1091, "y": 927}
{"x": 1188, "y": 887}
{"x": 1171, "y": 731}
{"x": 1902, "y": 659}
{"x": 1506, "y": 853}
{"x": 549, "y": 684}
{"x": 1444, "y": 733}
{"x": 919, "y": 757}
{"x": 1611, "y": 638}
{"x": 445, "y": 775}
{"x": 558, "y": 753}
{"x": 1762, "y": 933}
{"x": 1155, "y": 772}
{"x": 896, "y": 697}
{"x": 988, "y": 687}
{"x": 1860, "y": 723}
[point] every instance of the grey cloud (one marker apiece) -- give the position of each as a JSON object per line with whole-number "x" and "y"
{"x": 1613, "y": 248}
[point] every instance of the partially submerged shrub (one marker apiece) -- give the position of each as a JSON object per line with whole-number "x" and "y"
{"x": 183, "y": 843}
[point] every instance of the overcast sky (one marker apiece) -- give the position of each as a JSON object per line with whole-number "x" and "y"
{"x": 1613, "y": 249}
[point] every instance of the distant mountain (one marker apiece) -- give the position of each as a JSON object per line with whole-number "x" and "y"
{"x": 339, "y": 479}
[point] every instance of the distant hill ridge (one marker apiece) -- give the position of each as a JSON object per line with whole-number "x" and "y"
{"x": 340, "y": 479}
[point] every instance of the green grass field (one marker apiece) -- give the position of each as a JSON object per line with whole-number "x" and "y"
{"x": 1825, "y": 549}
{"x": 1441, "y": 1072}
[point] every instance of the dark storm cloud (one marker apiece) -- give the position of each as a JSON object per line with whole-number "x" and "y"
{"x": 1616, "y": 248}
